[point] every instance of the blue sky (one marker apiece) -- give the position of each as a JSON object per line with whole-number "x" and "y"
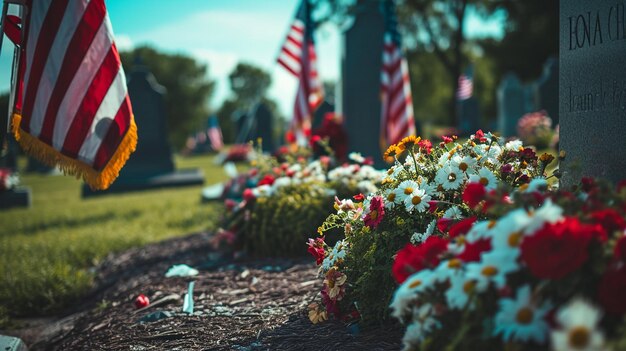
{"x": 224, "y": 32}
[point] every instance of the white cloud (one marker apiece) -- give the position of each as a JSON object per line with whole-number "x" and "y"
{"x": 123, "y": 42}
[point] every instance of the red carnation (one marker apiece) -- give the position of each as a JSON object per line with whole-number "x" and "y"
{"x": 267, "y": 180}
{"x": 462, "y": 227}
{"x": 358, "y": 197}
{"x": 472, "y": 251}
{"x": 619, "y": 253}
{"x": 426, "y": 146}
{"x": 473, "y": 194}
{"x": 248, "y": 195}
{"x": 558, "y": 249}
{"x": 376, "y": 212}
{"x": 609, "y": 219}
{"x": 480, "y": 135}
{"x": 412, "y": 258}
{"x": 611, "y": 290}
{"x": 316, "y": 248}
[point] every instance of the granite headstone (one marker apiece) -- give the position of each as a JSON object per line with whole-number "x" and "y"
{"x": 360, "y": 86}
{"x": 511, "y": 104}
{"x": 592, "y": 89}
{"x": 469, "y": 113}
{"x": 151, "y": 165}
{"x": 264, "y": 127}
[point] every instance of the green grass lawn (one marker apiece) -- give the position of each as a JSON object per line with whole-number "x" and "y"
{"x": 46, "y": 251}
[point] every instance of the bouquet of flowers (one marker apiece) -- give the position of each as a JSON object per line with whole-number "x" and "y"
{"x": 293, "y": 193}
{"x": 8, "y": 179}
{"x": 421, "y": 194}
{"x": 535, "y": 129}
{"x": 544, "y": 270}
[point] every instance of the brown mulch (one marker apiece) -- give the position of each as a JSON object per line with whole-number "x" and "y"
{"x": 244, "y": 304}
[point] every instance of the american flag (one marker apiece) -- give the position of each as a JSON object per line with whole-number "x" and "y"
{"x": 397, "y": 105}
{"x": 298, "y": 57}
{"x": 466, "y": 86}
{"x": 74, "y": 111}
{"x": 214, "y": 132}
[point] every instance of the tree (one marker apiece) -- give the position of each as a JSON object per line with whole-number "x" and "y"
{"x": 249, "y": 85}
{"x": 188, "y": 89}
{"x": 531, "y": 37}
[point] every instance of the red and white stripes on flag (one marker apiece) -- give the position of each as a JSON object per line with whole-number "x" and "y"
{"x": 466, "y": 87}
{"x": 75, "y": 110}
{"x": 298, "y": 57}
{"x": 397, "y": 119}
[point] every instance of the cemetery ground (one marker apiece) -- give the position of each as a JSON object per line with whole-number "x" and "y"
{"x": 70, "y": 269}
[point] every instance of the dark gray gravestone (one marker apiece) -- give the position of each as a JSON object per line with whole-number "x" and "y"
{"x": 592, "y": 82}
{"x": 151, "y": 165}
{"x": 548, "y": 90}
{"x": 318, "y": 116}
{"x": 511, "y": 104}
{"x": 361, "y": 63}
{"x": 469, "y": 112}
{"x": 264, "y": 122}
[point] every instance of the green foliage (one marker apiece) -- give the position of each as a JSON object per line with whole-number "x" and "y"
{"x": 46, "y": 251}
{"x": 280, "y": 224}
{"x": 249, "y": 85}
{"x": 188, "y": 89}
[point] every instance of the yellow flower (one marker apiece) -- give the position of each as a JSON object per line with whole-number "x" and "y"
{"x": 317, "y": 315}
{"x": 391, "y": 153}
{"x": 410, "y": 142}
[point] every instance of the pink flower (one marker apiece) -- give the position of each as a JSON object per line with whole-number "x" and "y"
{"x": 377, "y": 211}
{"x": 316, "y": 248}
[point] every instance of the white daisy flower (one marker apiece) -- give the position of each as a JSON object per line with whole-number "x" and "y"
{"x": 356, "y": 157}
{"x": 429, "y": 188}
{"x": 418, "y": 238}
{"x": 405, "y": 189}
{"x": 513, "y": 145}
{"x": 407, "y": 292}
{"x": 508, "y": 232}
{"x": 453, "y": 212}
{"x": 337, "y": 253}
{"x": 447, "y": 269}
{"x": 488, "y": 153}
{"x": 460, "y": 290}
{"x": 480, "y": 230}
{"x": 424, "y": 323}
{"x": 486, "y": 178}
{"x": 537, "y": 184}
{"x": 492, "y": 268}
{"x": 390, "y": 198}
{"x": 520, "y": 319}
{"x": 579, "y": 328}
{"x": 417, "y": 200}
{"x": 547, "y": 213}
{"x": 466, "y": 164}
{"x": 450, "y": 177}
{"x": 281, "y": 182}
{"x": 262, "y": 191}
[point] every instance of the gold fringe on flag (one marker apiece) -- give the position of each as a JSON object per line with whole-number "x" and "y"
{"x": 48, "y": 155}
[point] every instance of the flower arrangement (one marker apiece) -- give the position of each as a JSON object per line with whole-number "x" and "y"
{"x": 544, "y": 270}
{"x": 535, "y": 129}
{"x": 8, "y": 179}
{"x": 427, "y": 189}
{"x": 292, "y": 192}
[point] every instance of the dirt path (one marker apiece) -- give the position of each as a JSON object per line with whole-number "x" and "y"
{"x": 242, "y": 305}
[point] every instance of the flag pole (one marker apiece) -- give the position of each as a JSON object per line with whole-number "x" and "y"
{"x": 4, "y": 121}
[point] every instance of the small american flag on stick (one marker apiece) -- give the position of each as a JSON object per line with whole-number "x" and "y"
{"x": 397, "y": 105}
{"x": 466, "y": 86}
{"x": 298, "y": 57}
